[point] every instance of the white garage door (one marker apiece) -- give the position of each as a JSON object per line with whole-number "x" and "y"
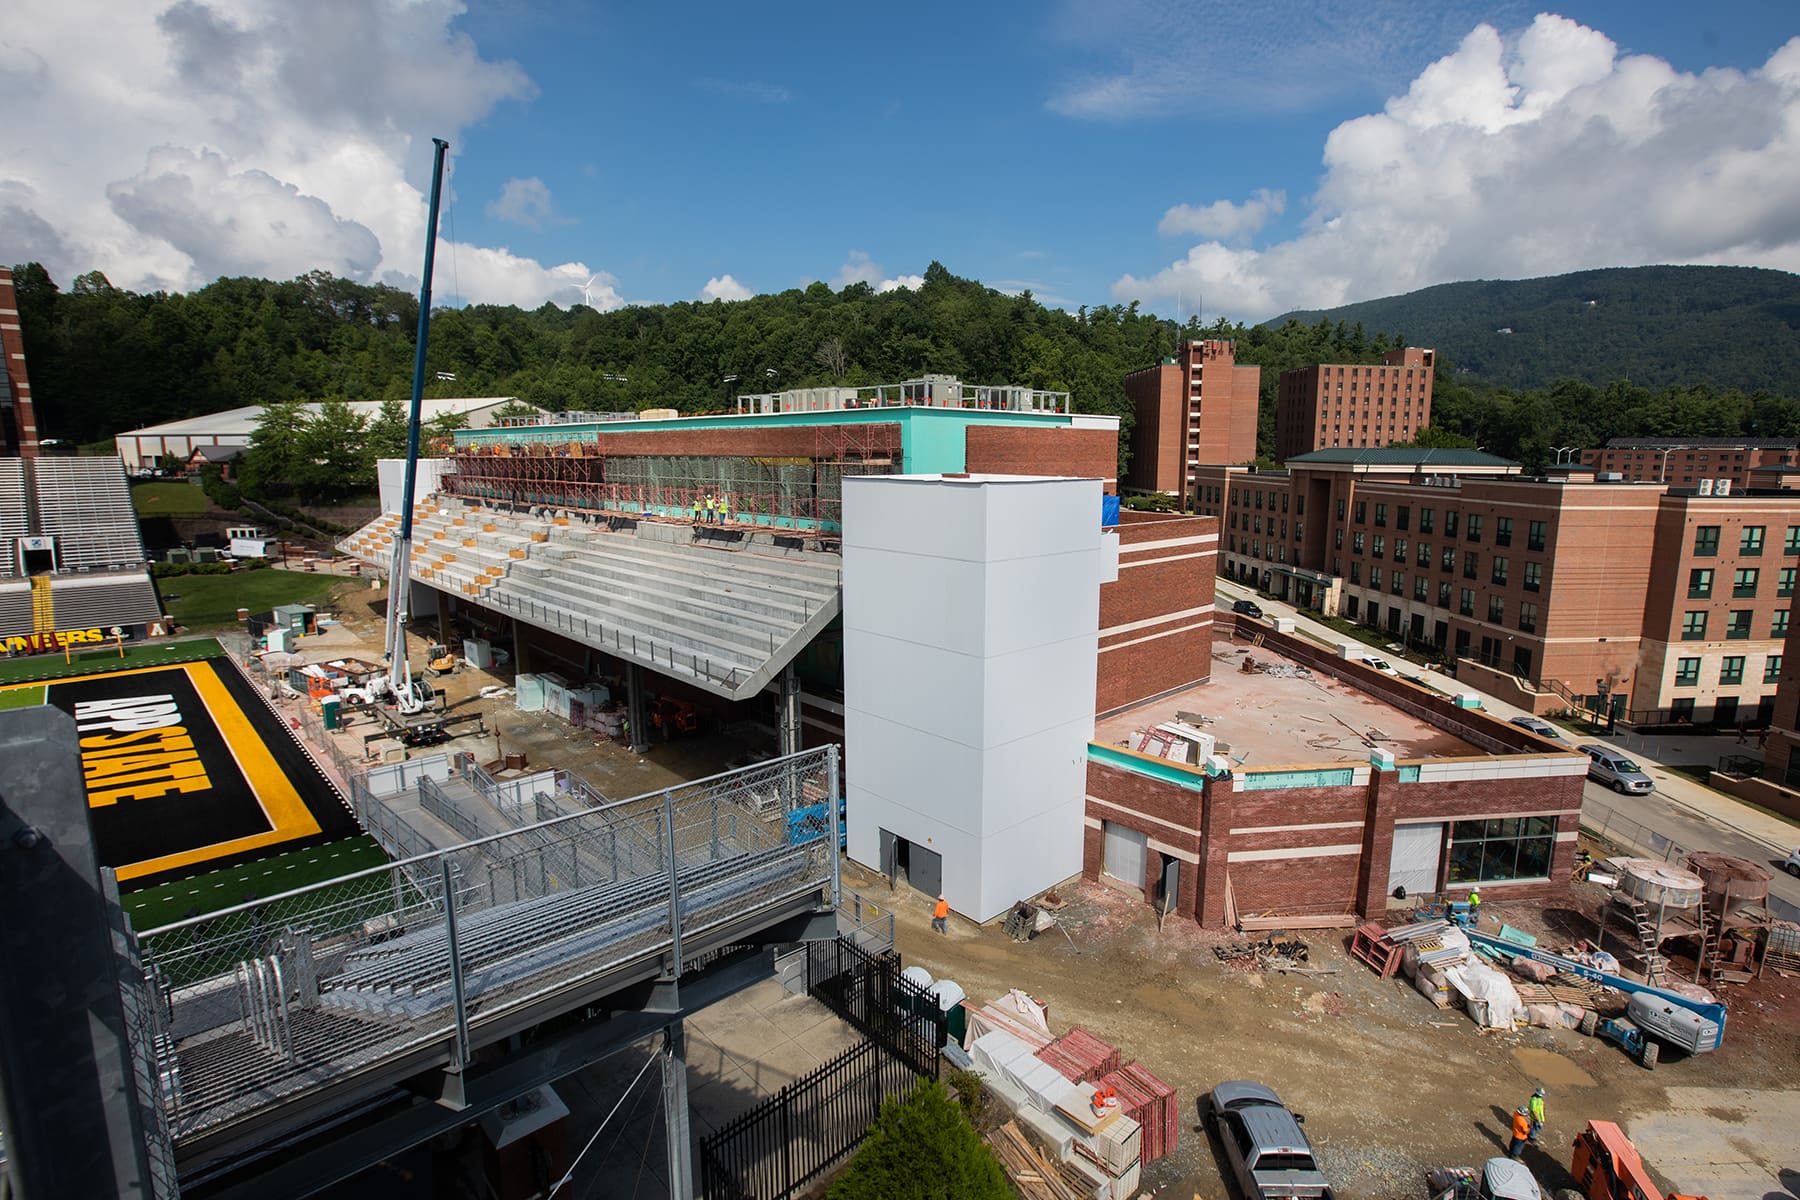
{"x": 1415, "y": 862}
{"x": 1125, "y": 852}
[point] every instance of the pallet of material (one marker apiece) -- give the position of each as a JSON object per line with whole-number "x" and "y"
{"x": 1151, "y": 1103}
{"x": 1080, "y": 1056}
{"x": 993, "y": 1016}
{"x": 1033, "y": 1176}
{"x": 1316, "y": 921}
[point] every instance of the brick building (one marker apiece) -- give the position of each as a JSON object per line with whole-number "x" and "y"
{"x": 1552, "y": 591}
{"x": 1199, "y": 407}
{"x": 1475, "y": 800}
{"x": 1339, "y": 405}
{"x": 18, "y": 421}
{"x": 1690, "y": 462}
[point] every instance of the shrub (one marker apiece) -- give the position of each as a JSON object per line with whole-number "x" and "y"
{"x": 921, "y": 1147}
{"x": 968, "y": 1093}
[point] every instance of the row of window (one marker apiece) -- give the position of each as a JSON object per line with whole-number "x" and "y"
{"x": 1731, "y": 671}
{"x": 1750, "y": 540}
{"x": 1737, "y": 625}
{"x": 1253, "y": 498}
{"x": 1743, "y": 582}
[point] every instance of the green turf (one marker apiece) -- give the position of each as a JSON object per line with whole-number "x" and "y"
{"x": 208, "y": 601}
{"x": 25, "y": 697}
{"x": 93, "y": 662}
{"x": 157, "y": 906}
{"x": 168, "y": 500}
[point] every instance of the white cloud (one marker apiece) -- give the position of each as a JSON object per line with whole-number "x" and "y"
{"x": 526, "y": 202}
{"x": 173, "y": 142}
{"x": 1201, "y": 56}
{"x": 1535, "y": 155}
{"x": 860, "y": 269}
{"x": 751, "y": 91}
{"x": 724, "y": 287}
{"x": 1222, "y": 218}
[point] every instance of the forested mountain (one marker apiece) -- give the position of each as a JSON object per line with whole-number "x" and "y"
{"x": 1721, "y": 327}
{"x": 103, "y": 359}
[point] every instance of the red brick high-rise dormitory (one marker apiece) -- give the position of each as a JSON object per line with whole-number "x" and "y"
{"x": 1199, "y": 407}
{"x": 1353, "y": 405}
{"x": 1689, "y": 462}
{"x": 1552, "y": 591}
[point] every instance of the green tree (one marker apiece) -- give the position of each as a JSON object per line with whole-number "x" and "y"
{"x": 445, "y": 424}
{"x": 387, "y": 432}
{"x": 921, "y": 1147}
{"x": 1431, "y": 437}
{"x": 332, "y": 457}
{"x": 275, "y": 447}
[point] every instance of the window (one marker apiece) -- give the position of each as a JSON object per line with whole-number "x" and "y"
{"x": 1421, "y": 588}
{"x": 1731, "y": 670}
{"x": 1791, "y": 544}
{"x": 1443, "y": 600}
{"x": 1772, "y": 669}
{"x": 1258, "y": 524}
{"x": 1399, "y": 549}
{"x": 1424, "y": 559}
{"x": 1693, "y": 627}
{"x": 1399, "y": 584}
{"x": 1340, "y": 510}
{"x": 1527, "y": 618}
{"x": 1778, "y": 623}
{"x": 1471, "y": 565}
{"x": 1750, "y": 540}
{"x": 1737, "y": 625}
{"x": 1450, "y": 523}
{"x": 1448, "y": 563}
{"x": 1362, "y": 511}
{"x": 1355, "y": 574}
{"x": 1706, "y": 541}
{"x": 1380, "y": 545}
{"x": 1687, "y": 673}
{"x": 1499, "y": 569}
{"x": 1337, "y": 539}
{"x": 1356, "y": 542}
{"x": 1284, "y": 501}
{"x": 1381, "y": 516}
{"x": 1502, "y": 848}
{"x": 1681, "y": 708}
{"x": 1533, "y": 577}
{"x": 1428, "y": 517}
{"x": 1496, "y": 610}
{"x": 1375, "y": 577}
{"x": 1466, "y": 603}
{"x": 1784, "y": 582}
{"x": 1259, "y": 499}
{"x": 1534, "y": 536}
{"x": 1700, "y": 583}
{"x": 1474, "y": 527}
{"x": 1402, "y": 517}
{"x": 1502, "y": 531}
{"x": 1743, "y": 583}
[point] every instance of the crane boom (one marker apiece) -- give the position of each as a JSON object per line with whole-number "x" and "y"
{"x": 400, "y": 681}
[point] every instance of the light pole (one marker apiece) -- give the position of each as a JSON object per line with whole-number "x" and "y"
{"x": 728, "y": 381}
{"x": 1663, "y": 475}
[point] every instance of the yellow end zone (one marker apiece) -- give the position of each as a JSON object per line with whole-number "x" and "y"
{"x": 288, "y": 815}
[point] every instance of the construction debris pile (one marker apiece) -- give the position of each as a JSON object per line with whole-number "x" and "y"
{"x": 1098, "y": 1119}
{"x": 1273, "y": 953}
{"x": 1275, "y": 670}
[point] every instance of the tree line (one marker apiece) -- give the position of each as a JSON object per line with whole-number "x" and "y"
{"x": 105, "y": 359}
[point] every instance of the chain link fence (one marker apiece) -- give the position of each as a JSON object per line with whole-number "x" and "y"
{"x": 1611, "y": 826}
{"x": 430, "y": 957}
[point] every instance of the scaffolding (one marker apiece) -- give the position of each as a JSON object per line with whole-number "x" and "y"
{"x": 798, "y": 494}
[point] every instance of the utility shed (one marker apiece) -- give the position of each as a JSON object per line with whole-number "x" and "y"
{"x": 971, "y": 613}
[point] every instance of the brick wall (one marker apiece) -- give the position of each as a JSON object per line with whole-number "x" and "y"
{"x": 1059, "y": 450}
{"x": 1156, "y": 621}
{"x": 20, "y": 438}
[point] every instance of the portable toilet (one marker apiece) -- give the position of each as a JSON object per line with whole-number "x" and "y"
{"x": 329, "y": 707}
{"x": 951, "y": 998}
{"x": 277, "y": 638}
{"x": 530, "y": 689}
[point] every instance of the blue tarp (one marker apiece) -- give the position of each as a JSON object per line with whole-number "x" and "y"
{"x": 1109, "y": 511}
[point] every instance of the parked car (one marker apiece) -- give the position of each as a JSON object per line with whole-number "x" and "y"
{"x": 1248, "y": 608}
{"x": 1542, "y": 728}
{"x": 1269, "y": 1155}
{"x": 1792, "y": 865}
{"x": 1617, "y": 771}
{"x": 1381, "y": 664}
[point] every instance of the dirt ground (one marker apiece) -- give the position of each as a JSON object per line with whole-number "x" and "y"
{"x": 1390, "y": 1085}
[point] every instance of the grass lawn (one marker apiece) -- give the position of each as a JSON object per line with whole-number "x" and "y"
{"x": 207, "y": 601}
{"x": 157, "y": 906}
{"x": 165, "y": 499}
{"x": 93, "y": 662}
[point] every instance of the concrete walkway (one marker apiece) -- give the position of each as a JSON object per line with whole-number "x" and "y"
{"x": 1652, "y": 751}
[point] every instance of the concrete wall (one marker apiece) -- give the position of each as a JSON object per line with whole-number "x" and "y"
{"x": 971, "y": 609}
{"x": 390, "y": 473}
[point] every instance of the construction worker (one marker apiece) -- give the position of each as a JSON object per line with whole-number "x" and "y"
{"x": 724, "y": 507}
{"x": 696, "y": 508}
{"x": 1475, "y": 906}
{"x": 709, "y": 508}
{"x": 1521, "y": 1133}
{"x": 940, "y": 916}
{"x": 1534, "y": 1108}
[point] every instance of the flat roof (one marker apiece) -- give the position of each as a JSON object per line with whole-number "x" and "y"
{"x": 243, "y": 421}
{"x": 1392, "y": 456}
{"x": 1283, "y": 718}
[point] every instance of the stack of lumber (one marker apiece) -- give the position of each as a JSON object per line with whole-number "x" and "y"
{"x": 1033, "y": 1176}
{"x": 1151, "y": 1103}
{"x": 1080, "y": 1056}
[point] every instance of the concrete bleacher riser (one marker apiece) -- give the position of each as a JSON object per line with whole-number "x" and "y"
{"x": 15, "y": 610}
{"x": 85, "y": 503}
{"x": 13, "y": 523}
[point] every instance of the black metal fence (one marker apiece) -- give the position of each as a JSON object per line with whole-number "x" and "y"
{"x": 778, "y": 1148}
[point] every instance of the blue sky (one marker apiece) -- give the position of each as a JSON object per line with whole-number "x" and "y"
{"x": 1262, "y": 156}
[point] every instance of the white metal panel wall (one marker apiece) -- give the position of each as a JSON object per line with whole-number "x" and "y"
{"x": 1126, "y": 851}
{"x": 971, "y": 612}
{"x": 1414, "y": 865}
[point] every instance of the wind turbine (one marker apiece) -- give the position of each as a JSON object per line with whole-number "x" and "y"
{"x": 587, "y": 293}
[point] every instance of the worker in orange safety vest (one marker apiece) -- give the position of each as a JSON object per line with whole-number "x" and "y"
{"x": 940, "y": 916}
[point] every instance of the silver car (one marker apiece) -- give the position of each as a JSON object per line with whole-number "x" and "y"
{"x": 1541, "y": 727}
{"x": 1617, "y": 770}
{"x": 1269, "y": 1155}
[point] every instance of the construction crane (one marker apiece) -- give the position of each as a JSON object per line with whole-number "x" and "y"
{"x": 409, "y": 697}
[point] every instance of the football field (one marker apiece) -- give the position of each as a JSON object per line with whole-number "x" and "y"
{"x": 187, "y": 770}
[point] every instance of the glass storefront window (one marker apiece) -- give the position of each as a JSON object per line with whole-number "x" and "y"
{"x": 1500, "y": 849}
